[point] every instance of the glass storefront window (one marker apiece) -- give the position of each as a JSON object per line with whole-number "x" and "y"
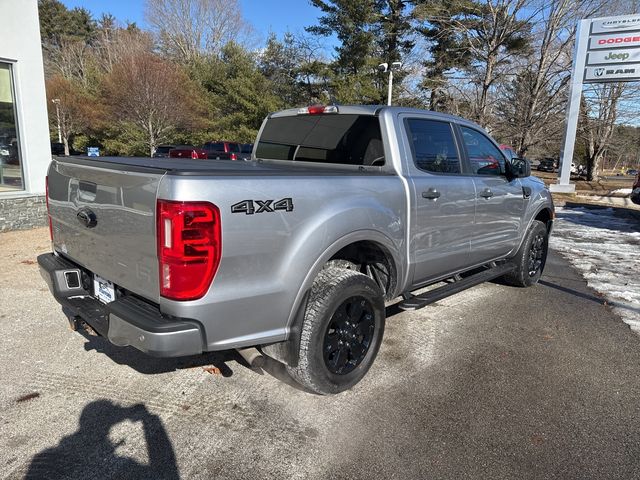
{"x": 10, "y": 162}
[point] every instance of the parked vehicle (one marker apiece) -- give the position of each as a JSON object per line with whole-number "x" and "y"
{"x": 632, "y": 171}
{"x": 162, "y": 151}
{"x": 508, "y": 151}
{"x": 188, "y": 151}
{"x": 295, "y": 253}
{"x": 245, "y": 151}
{"x": 547, "y": 165}
{"x": 57, "y": 148}
{"x": 222, "y": 150}
{"x": 635, "y": 190}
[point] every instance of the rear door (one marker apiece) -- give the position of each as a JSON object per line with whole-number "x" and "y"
{"x": 500, "y": 202}
{"x": 120, "y": 245}
{"x": 443, "y": 203}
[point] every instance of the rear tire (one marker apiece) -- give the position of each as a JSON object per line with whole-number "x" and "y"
{"x": 531, "y": 257}
{"x": 341, "y": 332}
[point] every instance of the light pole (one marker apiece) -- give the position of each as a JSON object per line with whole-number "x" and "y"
{"x": 384, "y": 67}
{"x": 56, "y": 101}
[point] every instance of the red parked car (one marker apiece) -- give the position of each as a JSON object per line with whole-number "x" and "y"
{"x": 188, "y": 151}
{"x": 222, "y": 150}
{"x": 508, "y": 151}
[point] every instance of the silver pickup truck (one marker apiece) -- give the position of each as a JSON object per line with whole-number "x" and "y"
{"x": 294, "y": 253}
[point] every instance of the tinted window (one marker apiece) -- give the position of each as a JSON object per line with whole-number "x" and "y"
{"x": 163, "y": 149}
{"x": 433, "y": 146}
{"x": 246, "y": 148}
{"x": 485, "y": 157}
{"x": 214, "y": 147}
{"x": 234, "y": 147}
{"x": 342, "y": 139}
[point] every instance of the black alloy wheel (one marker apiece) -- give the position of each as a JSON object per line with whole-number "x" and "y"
{"x": 348, "y": 335}
{"x": 537, "y": 253}
{"x": 341, "y": 331}
{"x": 530, "y": 259}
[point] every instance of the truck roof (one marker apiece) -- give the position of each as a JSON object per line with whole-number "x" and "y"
{"x": 378, "y": 109}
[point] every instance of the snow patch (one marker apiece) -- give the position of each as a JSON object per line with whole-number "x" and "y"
{"x": 623, "y": 191}
{"x": 605, "y": 248}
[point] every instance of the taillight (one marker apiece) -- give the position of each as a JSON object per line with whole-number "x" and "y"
{"x": 189, "y": 248}
{"x": 194, "y": 154}
{"x": 46, "y": 196}
{"x": 233, "y": 156}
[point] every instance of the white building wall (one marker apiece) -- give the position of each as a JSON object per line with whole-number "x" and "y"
{"x": 20, "y": 45}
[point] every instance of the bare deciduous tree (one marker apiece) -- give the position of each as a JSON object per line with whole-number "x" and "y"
{"x": 73, "y": 108}
{"x": 70, "y": 58}
{"x": 533, "y": 105}
{"x": 599, "y": 114}
{"x": 153, "y": 95}
{"x": 187, "y": 29}
{"x": 113, "y": 44}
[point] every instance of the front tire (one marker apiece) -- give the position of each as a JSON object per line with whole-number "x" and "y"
{"x": 341, "y": 332}
{"x": 531, "y": 257}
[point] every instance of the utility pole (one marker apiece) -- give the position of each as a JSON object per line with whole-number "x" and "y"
{"x": 56, "y": 101}
{"x": 384, "y": 67}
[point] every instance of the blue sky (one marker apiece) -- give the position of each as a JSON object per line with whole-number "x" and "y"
{"x": 265, "y": 15}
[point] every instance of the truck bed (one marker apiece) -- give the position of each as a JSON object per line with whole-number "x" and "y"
{"x": 179, "y": 166}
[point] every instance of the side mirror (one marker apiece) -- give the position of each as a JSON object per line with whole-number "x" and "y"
{"x": 518, "y": 168}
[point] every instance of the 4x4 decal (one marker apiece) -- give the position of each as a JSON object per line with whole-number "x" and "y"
{"x": 249, "y": 207}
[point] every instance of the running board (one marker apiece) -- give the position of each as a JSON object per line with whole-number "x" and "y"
{"x": 432, "y": 296}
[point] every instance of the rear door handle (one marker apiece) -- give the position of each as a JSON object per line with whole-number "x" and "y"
{"x": 432, "y": 194}
{"x": 486, "y": 193}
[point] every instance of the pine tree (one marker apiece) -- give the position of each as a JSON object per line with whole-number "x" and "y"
{"x": 369, "y": 32}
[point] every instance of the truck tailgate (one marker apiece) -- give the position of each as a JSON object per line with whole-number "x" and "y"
{"x": 121, "y": 245}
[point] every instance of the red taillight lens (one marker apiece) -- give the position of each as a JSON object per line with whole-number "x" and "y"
{"x": 189, "y": 248}
{"x": 316, "y": 109}
{"x": 194, "y": 154}
{"x": 46, "y": 196}
{"x": 233, "y": 156}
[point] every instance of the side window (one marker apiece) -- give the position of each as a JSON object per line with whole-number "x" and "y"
{"x": 433, "y": 145}
{"x": 484, "y": 156}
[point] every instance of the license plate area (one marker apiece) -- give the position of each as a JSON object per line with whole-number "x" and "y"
{"x": 103, "y": 289}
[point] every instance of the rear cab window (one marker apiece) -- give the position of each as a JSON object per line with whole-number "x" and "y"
{"x": 433, "y": 145}
{"x": 346, "y": 139}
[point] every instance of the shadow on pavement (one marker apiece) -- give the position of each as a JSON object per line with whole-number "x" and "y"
{"x": 628, "y": 219}
{"x": 146, "y": 364}
{"x": 279, "y": 371}
{"x": 586, "y": 296}
{"x": 90, "y": 450}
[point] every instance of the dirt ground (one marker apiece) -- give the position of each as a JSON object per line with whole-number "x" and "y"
{"x": 603, "y": 186}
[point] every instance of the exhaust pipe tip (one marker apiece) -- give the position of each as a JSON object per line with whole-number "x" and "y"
{"x": 252, "y": 356}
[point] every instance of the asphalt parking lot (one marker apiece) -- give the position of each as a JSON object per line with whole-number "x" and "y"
{"x": 495, "y": 383}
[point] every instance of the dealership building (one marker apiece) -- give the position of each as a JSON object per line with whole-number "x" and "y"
{"x": 25, "y": 149}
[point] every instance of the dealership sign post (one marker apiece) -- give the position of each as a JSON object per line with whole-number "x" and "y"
{"x": 607, "y": 50}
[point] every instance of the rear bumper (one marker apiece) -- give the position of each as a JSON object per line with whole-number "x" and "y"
{"x": 126, "y": 321}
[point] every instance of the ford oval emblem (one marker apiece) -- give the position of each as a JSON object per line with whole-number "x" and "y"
{"x": 87, "y": 217}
